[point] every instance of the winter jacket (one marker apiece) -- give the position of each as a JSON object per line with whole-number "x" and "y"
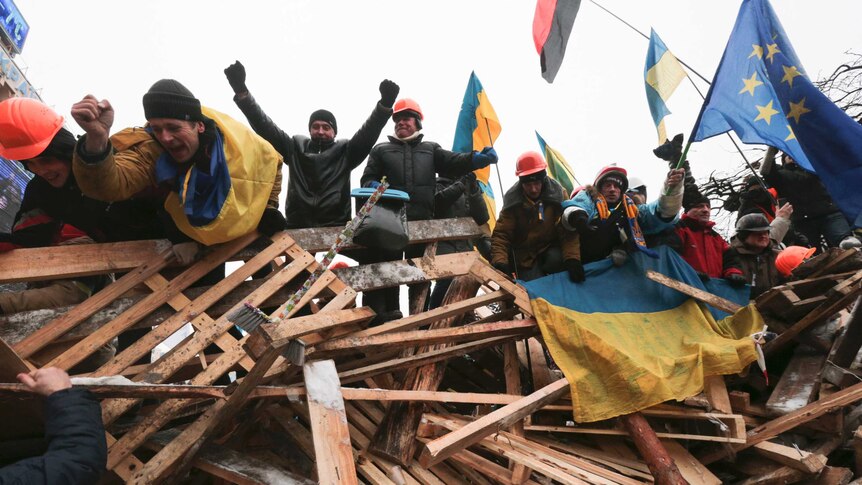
{"x": 454, "y": 197}
{"x": 318, "y": 177}
{"x": 703, "y": 248}
{"x": 527, "y": 230}
{"x": 758, "y": 267}
{"x": 802, "y": 188}
{"x": 253, "y": 165}
{"x": 77, "y": 451}
{"x": 607, "y": 235}
{"x": 412, "y": 166}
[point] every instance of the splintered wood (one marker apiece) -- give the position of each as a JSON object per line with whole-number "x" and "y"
{"x": 463, "y": 393}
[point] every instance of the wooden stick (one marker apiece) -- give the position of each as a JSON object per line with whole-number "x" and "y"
{"x": 696, "y": 293}
{"x": 660, "y": 464}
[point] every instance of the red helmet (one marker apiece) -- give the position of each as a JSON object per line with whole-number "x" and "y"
{"x": 614, "y": 172}
{"x": 27, "y": 127}
{"x": 791, "y": 257}
{"x": 407, "y": 104}
{"x": 529, "y": 163}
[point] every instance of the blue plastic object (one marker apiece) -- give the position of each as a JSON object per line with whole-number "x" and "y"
{"x": 364, "y": 193}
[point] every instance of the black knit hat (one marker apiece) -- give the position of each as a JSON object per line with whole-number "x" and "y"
{"x": 323, "y": 115}
{"x": 533, "y": 177}
{"x": 693, "y": 200}
{"x": 167, "y": 98}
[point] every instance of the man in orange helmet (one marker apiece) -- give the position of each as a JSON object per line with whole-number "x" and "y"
{"x": 319, "y": 166}
{"x": 611, "y": 224}
{"x": 411, "y": 164}
{"x": 528, "y": 239}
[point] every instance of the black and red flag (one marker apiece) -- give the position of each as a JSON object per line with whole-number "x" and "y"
{"x": 552, "y": 25}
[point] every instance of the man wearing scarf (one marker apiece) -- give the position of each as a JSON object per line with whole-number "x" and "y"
{"x": 611, "y": 224}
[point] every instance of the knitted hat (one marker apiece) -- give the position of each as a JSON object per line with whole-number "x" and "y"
{"x": 612, "y": 173}
{"x": 323, "y": 115}
{"x": 167, "y": 98}
{"x": 533, "y": 177}
{"x": 694, "y": 200}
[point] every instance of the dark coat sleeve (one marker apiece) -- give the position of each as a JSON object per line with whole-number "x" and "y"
{"x": 447, "y": 191}
{"x": 264, "y": 126}
{"x": 77, "y": 451}
{"x": 478, "y": 207}
{"x": 373, "y": 169}
{"x": 501, "y": 239}
{"x": 730, "y": 263}
{"x": 453, "y": 164}
{"x": 364, "y": 139}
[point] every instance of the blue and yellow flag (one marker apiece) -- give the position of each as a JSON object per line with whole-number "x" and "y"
{"x": 478, "y": 127}
{"x": 558, "y": 167}
{"x": 625, "y": 342}
{"x": 662, "y": 75}
{"x": 762, "y": 92}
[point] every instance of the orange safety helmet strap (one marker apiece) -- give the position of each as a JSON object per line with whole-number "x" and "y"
{"x": 27, "y": 127}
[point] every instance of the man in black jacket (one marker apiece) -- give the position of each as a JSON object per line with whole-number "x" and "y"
{"x": 411, "y": 164}
{"x": 319, "y": 166}
{"x": 77, "y": 452}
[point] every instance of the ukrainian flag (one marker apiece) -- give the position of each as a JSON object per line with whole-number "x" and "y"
{"x": 626, "y": 343}
{"x": 478, "y": 127}
{"x": 662, "y": 75}
{"x": 558, "y": 167}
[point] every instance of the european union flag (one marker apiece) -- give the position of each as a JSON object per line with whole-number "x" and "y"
{"x": 761, "y": 92}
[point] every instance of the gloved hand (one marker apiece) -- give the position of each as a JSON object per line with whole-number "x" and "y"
{"x": 670, "y": 150}
{"x": 484, "y": 158}
{"x": 235, "y": 74}
{"x": 575, "y": 269}
{"x": 388, "y": 92}
{"x": 619, "y": 257}
{"x": 704, "y": 278}
{"x": 736, "y": 279}
{"x": 580, "y": 221}
{"x": 504, "y": 268}
{"x": 271, "y": 222}
{"x": 483, "y": 245}
{"x": 185, "y": 253}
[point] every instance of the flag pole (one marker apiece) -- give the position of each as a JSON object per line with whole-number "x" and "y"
{"x": 499, "y": 179}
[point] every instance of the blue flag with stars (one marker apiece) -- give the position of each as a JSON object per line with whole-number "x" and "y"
{"x": 762, "y": 93}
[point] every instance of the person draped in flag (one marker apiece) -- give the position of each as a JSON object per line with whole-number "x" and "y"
{"x": 611, "y": 224}
{"x": 528, "y": 240}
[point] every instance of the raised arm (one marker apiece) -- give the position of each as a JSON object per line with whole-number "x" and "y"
{"x": 257, "y": 118}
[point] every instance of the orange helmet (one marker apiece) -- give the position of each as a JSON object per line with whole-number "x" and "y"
{"x": 791, "y": 257}
{"x": 407, "y": 104}
{"x": 529, "y": 163}
{"x": 27, "y": 127}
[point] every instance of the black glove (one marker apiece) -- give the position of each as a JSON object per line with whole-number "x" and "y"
{"x": 388, "y": 92}
{"x": 580, "y": 221}
{"x": 736, "y": 280}
{"x": 504, "y": 268}
{"x": 483, "y": 245}
{"x": 235, "y": 74}
{"x": 575, "y": 269}
{"x": 704, "y": 278}
{"x": 271, "y": 222}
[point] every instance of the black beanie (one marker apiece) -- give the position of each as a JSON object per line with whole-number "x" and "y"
{"x": 693, "y": 200}
{"x": 323, "y": 115}
{"x": 168, "y": 98}
{"x": 533, "y": 177}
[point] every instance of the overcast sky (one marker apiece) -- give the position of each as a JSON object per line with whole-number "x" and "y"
{"x": 302, "y": 55}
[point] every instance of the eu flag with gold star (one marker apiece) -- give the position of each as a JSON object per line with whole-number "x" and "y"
{"x": 762, "y": 93}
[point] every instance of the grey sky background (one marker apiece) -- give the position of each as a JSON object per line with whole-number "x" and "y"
{"x": 302, "y": 55}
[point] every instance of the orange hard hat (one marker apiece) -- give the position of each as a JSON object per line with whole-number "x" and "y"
{"x": 407, "y": 104}
{"x": 791, "y": 257}
{"x": 529, "y": 163}
{"x": 27, "y": 127}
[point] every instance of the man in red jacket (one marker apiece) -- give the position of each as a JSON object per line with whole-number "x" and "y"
{"x": 700, "y": 246}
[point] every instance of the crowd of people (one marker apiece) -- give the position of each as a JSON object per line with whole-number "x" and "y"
{"x": 198, "y": 177}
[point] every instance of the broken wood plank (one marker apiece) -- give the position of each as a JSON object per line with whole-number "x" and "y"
{"x": 696, "y": 293}
{"x": 801, "y": 460}
{"x": 333, "y": 454}
{"x": 692, "y": 470}
{"x": 441, "y": 448}
{"x": 512, "y": 373}
{"x": 394, "y": 273}
{"x": 799, "y": 383}
{"x": 716, "y": 394}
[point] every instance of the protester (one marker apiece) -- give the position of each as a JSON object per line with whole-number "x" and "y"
{"x": 611, "y": 224}
{"x": 319, "y": 166}
{"x": 77, "y": 452}
{"x": 815, "y": 214}
{"x": 410, "y": 164}
{"x": 528, "y": 240}
{"x": 696, "y": 240}
{"x": 222, "y": 179}
{"x": 756, "y": 246}
{"x": 637, "y": 191}
{"x": 459, "y": 197}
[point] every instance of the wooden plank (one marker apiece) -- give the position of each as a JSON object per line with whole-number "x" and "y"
{"x": 334, "y": 456}
{"x": 28, "y": 420}
{"x": 485, "y": 274}
{"x": 696, "y": 293}
{"x": 801, "y": 460}
{"x": 787, "y": 474}
{"x": 33, "y": 264}
{"x": 789, "y": 421}
{"x": 716, "y": 393}
{"x": 619, "y": 432}
{"x": 799, "y": 383}
{"x": 62, "y": 324}
{"x": 692, "y": 470}
{"x": 512, "y": 373}
{"x": 444, "y": 447}
{"x": 417, "y": 270}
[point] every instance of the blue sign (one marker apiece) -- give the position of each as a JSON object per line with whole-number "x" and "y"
{"x": 13, "y": 24}
{"x": 14, "y": 77}
{"x": 13, "y": 182}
